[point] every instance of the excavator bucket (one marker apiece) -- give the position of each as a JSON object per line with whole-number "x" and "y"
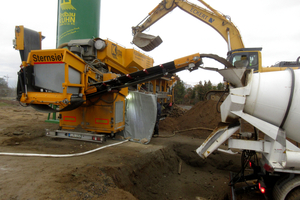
{"x": 146, "y": 42}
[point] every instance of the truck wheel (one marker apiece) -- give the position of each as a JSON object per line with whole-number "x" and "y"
{"x": 294, "y": 194}
{"x": 290, "y": 190}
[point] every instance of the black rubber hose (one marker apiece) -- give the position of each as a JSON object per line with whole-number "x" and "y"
{"x": 290, "y": 99}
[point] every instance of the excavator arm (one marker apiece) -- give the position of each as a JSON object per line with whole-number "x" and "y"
{"x": 210, "y": 16}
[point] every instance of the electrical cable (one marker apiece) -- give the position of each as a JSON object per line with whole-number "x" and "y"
{"x": 60, "y": 155}
{"x": 110, "y": 102}
{"x": 100, "y": 99}
{"x": 174, "y": 132}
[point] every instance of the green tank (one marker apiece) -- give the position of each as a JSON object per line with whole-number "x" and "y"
{"x": 77, "y": 19}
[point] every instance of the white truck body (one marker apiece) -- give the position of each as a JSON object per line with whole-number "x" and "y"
{"x": 270, "y": 103}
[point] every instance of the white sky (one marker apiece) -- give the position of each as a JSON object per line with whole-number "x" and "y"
{"x": 271, "y": 24}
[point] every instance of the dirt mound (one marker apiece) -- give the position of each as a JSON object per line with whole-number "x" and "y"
{"x": 176, "y": 111}
{"x": 169, "y": 124}
{"x": 203, "y": 114}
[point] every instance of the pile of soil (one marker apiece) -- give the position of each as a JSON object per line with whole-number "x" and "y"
{"x": 203, "y": 114}
{"x": 176, "y": 111}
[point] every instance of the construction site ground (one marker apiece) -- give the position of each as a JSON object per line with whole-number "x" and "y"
{"x": 167, "y": 168}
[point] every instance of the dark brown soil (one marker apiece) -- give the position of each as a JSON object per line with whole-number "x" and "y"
{"x": 203, "y": 115}
{"x": 167, "y": 168}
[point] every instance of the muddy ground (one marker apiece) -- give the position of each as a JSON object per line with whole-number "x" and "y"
{"x": 167, "y": 168}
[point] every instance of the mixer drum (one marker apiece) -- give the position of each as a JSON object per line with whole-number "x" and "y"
{"x": 274, "y": 97}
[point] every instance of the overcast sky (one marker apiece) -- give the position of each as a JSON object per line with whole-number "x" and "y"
{"x": 270, "y": 24}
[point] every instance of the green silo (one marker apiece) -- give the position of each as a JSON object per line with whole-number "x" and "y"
{"x": 77, "y": 19}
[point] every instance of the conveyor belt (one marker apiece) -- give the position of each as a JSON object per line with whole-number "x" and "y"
{"x": 149, "y": 74}
{"x": 135, "y": 78}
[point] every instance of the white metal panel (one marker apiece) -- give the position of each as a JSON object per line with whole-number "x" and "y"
{"x": 140, "y": 118}
{"x": 214, "y": 140}
{"x": 259, "y": 146}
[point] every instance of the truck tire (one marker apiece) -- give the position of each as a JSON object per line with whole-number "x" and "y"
{"x": 294, "y": 194}
{"x": 288, "y": 191}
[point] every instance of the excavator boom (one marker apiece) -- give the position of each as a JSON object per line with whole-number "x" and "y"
{"x": 213, "y": 18}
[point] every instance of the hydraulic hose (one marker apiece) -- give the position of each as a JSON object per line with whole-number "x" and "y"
{"x": 290, "y": 97}
{"x": 62, "y": 45}
{"x": 60, "y": 155}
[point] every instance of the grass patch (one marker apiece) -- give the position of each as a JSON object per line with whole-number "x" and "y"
{"x": 4, "y": 104}
{"x": 7, "y": 98}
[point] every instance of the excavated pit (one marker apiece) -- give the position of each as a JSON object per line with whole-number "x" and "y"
{"x": 160, "y": 177}
{"x": 172, "y": 171}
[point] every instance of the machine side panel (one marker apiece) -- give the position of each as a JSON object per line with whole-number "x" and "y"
{"x": 52, "y": 76}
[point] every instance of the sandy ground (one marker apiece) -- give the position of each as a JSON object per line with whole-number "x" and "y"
{"x": 167, "y": 168}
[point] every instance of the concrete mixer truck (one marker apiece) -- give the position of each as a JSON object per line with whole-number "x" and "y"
{"x": 272, "y": 108}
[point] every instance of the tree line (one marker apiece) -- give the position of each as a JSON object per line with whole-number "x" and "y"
{"x": 192, "y": 95}
{"x": 6, "y": 91}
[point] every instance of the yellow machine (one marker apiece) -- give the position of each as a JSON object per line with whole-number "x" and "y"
{"x": 238, "y": 55}
{"x": 89, "y": 80}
